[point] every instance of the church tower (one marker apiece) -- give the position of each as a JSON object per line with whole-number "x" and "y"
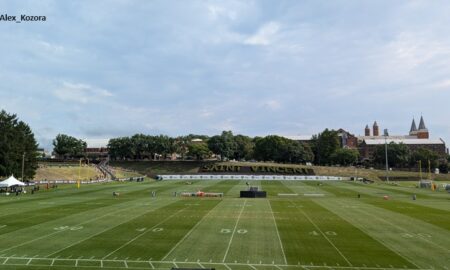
{"x": 367, "y": 131}
{"x": 422, "y": 133}
{"x": 413, "y": 130}
{"x": 376, "y": 131}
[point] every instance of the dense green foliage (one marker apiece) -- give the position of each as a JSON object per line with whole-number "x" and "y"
{"x": 141, "y": 146}
{"x": 68, "y": 147}
{"x": 199, "y": 150}
{"x": 16, "y": 142}
{"x": 223, "y": 145}
{"x": 345, "y": 156}
{"x": 280, "y": 149}
{"x": 400, "y": 156}
{"x": 324, "y": 145}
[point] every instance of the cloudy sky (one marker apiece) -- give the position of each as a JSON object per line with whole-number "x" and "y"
{"x": 102, "y": 69}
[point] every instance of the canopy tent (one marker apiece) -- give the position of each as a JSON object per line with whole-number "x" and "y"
{"x": 11, "y": 181}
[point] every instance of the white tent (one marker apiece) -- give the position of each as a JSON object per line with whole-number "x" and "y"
{"x": 11, "y": 181}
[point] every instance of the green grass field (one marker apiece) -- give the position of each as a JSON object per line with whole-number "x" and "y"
{"x": 323, "y": 227}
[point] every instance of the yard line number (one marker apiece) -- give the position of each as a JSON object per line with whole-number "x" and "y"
{"x": 240, "y": 231}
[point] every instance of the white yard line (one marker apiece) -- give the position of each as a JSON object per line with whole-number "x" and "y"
{"x": 234, "y": 230}
{"x": 189, "y": 233}
{"x": 50, "y": 234}
{"x": 253, "y": 266}
{"x": 141, "y": 234}
{"x": 278, "y": 234}
{"x": 324, "y": 235}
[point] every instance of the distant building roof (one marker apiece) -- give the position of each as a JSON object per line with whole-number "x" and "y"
{"x": 404, "y": 141}
{"x": 96, "y": 143}
{"x": 196, "y": 140}
{"x": 299, "y": 137}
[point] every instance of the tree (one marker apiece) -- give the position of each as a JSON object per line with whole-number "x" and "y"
{"x": 424, "y": 155}
{"x": 398, "y": 155}
{"x": 16, "y": 142}
{"x": 68, "y": 146}
{"x": 345, "y": 156}
{"x": 324, "y": 145}
{"x": 199, "y": 150}
{"x": 296, "y": 152}
{"x": 121, "y": 148}
{"x": 223, "y": 145}
{"x": 244, "y": 147}
{"x": 280, "y": 149}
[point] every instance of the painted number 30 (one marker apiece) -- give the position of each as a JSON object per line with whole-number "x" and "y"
{"x": 240, "y": 231}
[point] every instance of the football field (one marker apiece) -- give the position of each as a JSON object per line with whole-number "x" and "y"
{"x": 301, "y": 225}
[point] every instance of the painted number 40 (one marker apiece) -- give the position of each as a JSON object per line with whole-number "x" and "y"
{"x": 240, "y": 231}
{"x": 327, "y": 233}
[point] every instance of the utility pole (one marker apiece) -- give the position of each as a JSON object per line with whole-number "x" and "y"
{"x": 23, "y": 163}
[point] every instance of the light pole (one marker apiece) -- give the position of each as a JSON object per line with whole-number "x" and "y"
{"x": 386, "y": 154}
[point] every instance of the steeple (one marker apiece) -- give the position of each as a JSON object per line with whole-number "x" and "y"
{"x": 422, "y": 133}
{"x": 422, "y": 124}
{"x": 413, "y": 130}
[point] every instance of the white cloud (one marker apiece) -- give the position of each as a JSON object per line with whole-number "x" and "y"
{"x": 81, "y": 93}
{"x": 264, "y": 35}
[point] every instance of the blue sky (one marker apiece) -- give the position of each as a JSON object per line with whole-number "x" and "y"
{"x": 102, "y": 69}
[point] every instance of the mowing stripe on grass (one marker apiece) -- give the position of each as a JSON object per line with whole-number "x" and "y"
{"x": 189, "y": 233}
{"x": 324, "y": 235}
{"x": 278, "y": 233}
{"x": 139, "y": 235}
{"x": 234, "y": 231}
{"x": 128, "y": 205}
{"x": 434, "y": 216}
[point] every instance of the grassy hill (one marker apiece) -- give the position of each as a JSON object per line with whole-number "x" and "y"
{"x": 152, "y": 168}
{"x": 66, "y": 172}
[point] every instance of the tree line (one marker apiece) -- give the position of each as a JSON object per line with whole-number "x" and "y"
{"x": 323, "y": 149}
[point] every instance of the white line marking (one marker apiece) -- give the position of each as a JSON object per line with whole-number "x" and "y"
{"x": 217, "y": 263}
{"x": 254, "y": 268}
{"x": 278, "y": 234}
{"x": 29, "y": 261}
{"x": 50, "y": 234}
{"x": 175, "y": 264}
{"x": 141, "y": 234}
{"x": 125, "y": 263}
{"x": 323, "y": 234}
{"x": 151, "y": 264}
{"x": 189, "y": 233}
{"x": 234, "y": 230}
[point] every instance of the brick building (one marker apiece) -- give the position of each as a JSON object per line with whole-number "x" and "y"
{"x": 417, "y": 138}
